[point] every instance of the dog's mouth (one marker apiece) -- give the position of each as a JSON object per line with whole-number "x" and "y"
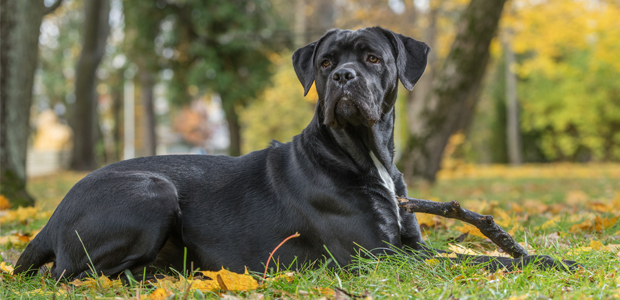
{"x": 344, "y": 107}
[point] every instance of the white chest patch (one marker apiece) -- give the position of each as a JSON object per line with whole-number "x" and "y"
{"x": 388, "y": 183}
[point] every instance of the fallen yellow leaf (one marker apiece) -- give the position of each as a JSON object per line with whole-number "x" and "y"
{"x": 425, "y": 220}
{"x": 600, "y": 206}
{"x": 21, "y": 214}
{"x": 159, "y": 294}
{"x": 598, "y": 224}
{"x": 100, "y": 282}
{"x": 233, "y": 281}
{"x": 471, "y": 229}
{"x": 4, "y": 268}
{"x": 597, "y": 245}
{"x": 459, "y": 249}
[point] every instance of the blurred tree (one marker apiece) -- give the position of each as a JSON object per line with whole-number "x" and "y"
{"x": 447, "y": 109}
{"x": 139, "y": 44}
{"x": 84, "y": 117}
{"x": 230, "y": 45}
{"x": 221, "y": 46}
{"x": 19, "y": 50}
{"x": 513, "y": 125}
{"x": 568, "y": 77}
{"x": 280, "y": 111}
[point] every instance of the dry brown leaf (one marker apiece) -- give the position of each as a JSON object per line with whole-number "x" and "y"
{"x": 597, "y": 225}
{"x": 600, "y": 206}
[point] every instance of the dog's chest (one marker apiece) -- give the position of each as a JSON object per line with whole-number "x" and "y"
{"x": 387, "y": 183}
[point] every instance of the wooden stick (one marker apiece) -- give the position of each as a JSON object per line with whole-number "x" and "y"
{"x": 453, "y": 210}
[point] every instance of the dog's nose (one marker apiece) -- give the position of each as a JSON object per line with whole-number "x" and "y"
{"x": 343, "y": 75}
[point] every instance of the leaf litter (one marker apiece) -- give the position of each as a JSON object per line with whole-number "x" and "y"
{"x": 578, "y": 216}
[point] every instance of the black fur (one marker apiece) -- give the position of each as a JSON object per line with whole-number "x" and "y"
{"x": 232, "y": 212}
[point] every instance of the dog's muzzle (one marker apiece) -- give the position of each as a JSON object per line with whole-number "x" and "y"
{"x": 348, "y": 100}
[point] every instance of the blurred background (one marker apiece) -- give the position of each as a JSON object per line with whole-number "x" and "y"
{"x": 86, "y": 83}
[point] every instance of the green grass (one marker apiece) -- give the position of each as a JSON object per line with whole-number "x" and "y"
{"x": 400, "y": 277}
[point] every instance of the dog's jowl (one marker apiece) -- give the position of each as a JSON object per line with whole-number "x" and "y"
{"x": 335, "y": 183}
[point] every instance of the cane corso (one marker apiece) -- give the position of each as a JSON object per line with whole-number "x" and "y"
{"x": 335, "y": 183}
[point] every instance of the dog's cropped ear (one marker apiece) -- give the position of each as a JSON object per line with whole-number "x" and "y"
{"x": 411, "y": 57}
{"x": 303, "y": 62}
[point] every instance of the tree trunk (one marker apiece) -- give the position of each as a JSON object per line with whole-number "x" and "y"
{"x": 234, "y": 129}
{"x": 117, "y": 114}
{"x": 300, "y": 24}
{"x": 513, "y": 129}
{"x": 83, "y": 121}
{"x": 149, "y": 135}
{"x": 449, "y": 106}
{"x": 415, "y": 101}
{"x": 19, "y": 50}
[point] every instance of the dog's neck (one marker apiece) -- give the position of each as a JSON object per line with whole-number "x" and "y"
{"x": 354, "y": 143}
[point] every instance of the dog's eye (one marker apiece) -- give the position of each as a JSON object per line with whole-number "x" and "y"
{"x": 325, "y": 63}
{"x": 373, "y": 59}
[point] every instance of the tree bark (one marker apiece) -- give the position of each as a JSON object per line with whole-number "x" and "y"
{"x": 415, "y": 101}
{"x": 19, "y": 51}
{"x": 453, "y": 210}
{"x": 83, "y": 121}
{"x": 300, "y": 24}
{"x": 449, "y": 106}
{"x": 149, "y": 135}
{"x": 234, "y": 128}
{"x": 513, "y": 127}
{"x": 117, "y": 113}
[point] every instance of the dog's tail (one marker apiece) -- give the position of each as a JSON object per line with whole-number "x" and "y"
{"x": 37, "y": 253}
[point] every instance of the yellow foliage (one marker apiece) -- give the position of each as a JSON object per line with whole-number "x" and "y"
{"x": 221, "y": 280}
{"x": 4, "y": 203}
{"x": 281, "y": 112}
{"x": 159, "y": 294}
{"x": 595, "y": 246}
{"x": 548, "y": 28}
{"x": 448, "y": 161}
{"x": 597, "y": 225}
{"x": 4, "y": 268}
{"x": 459, "y": 249}
{"x": 432, "y": 261}
{"x": 21, "y": 214}
{"x": 102, "y": 282}
{"x": 233, "y": 281}
{"x": 471, "y": 229}
{"x": 555, "y": 170}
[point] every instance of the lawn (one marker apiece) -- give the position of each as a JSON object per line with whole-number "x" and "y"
{"x": 568, "y": 211}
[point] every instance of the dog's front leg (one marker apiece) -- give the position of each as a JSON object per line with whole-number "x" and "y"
{"x": 410, "y": 233}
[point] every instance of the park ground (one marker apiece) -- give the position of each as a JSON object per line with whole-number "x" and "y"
{"x": 567, "y": 211}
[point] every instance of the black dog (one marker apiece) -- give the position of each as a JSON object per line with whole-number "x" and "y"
{"x": 335, "y": 183}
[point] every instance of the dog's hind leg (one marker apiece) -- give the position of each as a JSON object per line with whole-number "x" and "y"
{"x": 112, "y": 222}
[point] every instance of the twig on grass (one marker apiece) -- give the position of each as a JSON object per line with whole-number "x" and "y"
{"x": 453, "y": 210}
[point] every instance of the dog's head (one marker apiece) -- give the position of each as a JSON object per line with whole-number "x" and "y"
{"x": 357, "y": 72}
